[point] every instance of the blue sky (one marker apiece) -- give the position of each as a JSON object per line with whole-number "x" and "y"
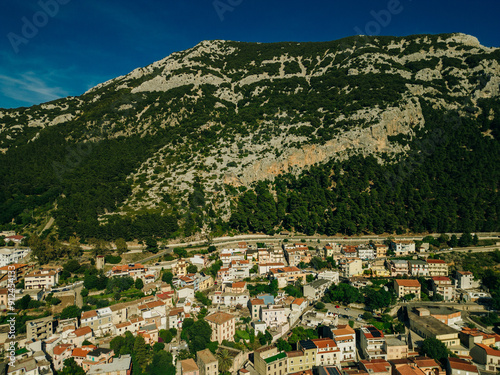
{"x": 55, "y": 48}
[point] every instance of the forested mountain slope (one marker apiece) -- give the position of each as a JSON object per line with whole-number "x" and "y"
{"x": 363, "y": 134}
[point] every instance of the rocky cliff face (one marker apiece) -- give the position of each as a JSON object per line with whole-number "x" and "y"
{"x": 236, "y": 113}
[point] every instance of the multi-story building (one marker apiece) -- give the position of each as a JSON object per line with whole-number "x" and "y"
{"x": 398, "y": 267}
{"x": 418, "y": 267}
{"x": 229, "y": 299}
{"x": 427, "y": 326}
{"x": 265, "y": 268}
{"x": 223, "y": 326}
{"x": 345, "y": 338}
{"x": 227, "y": 258}
{"x": 378, "y": 268}
{"x": 366, "y": 252}
{"x": 331, "y": 276}
{"x": 459, "y": 366}
{"x": 240, "y": 269}
{"x": 437, "y": 267}
{"x": 12, "y": 255}
{"x": 443, "y": 286}
{"x": 465, "y": 280}
{"x": 207, "y": 363}
{"x": 372, "y": 342}
{"x": 316, "y": 289}
{"x": 349, "y": 251}
{"x": 404, "y": 287}
{"x": 484, "y": 355}
{"x": 100, "y": 320}
{"x": 40, "y": 329}
{"x": 332, "y": 248}
{"x": 287, "y": 275}
{"x": 381, "y": 250}
{"x": 292, "y": 256}
{"x": 395, "y": 348}
{"x": 41, "y": 279}
{"x": 270, "y": 361}
{"x": 274, "y": 315}
{"x": 351, "y": 267}
{"x": 402, "y": 248}
{"x": 119, "y": 366}
{"x": 19, "y": 269}
{"x": 254, "y": 305}
{"x": 308, "y": 347}
{"x": 327, "y": 352}
{"x": 133, "y": 270}
{"x": 60, "y": 354}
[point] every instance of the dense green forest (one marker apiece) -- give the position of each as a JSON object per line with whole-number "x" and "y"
{"x": 448, "y": 182}
{"x": 92, "y": 173}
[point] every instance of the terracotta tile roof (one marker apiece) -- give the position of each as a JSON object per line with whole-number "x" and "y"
{"x": 376, "y": 365}
{"x": 121, "y": 325}
{"x": 89, "y": 314}
{"x": 176, "y": 311}
{"x": 409, "y": 370}
{"x": 257, "y": 301}
{"x": 83, "y": 351}
{"x": 15, "y": 265}
{"x": 324, "y": 343}
{"x": 425, "y": 362}
{"x": 489, "y": 351}
{"x": 298, "y": 301}
{"x": 82, "y": 331}
{"x": 441, "y": 278}
{"x": 60, "y": 349}
{"x": 464, "y": 272}
{"x": 435, "y": 261}
{"x": 219, "y": 317}
{"x": 407, "y": 283}
{"x": 460, "y": 364}
{"x": 240, "y": 284}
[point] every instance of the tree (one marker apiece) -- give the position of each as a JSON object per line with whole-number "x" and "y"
{"x": 309, "y": 278}
{"x": 453, "y": 241}
{"x": 166, "y": 335}
{"x": 283, "y": 346}
{"x": 151, "y": 245}
{"x": 167, "y": 277}
{"x": 319, "y": 305}
{"x": 378, "y": 299}
{"x": 158, "y": 346}
{"x": 197, "y": 334}
{"x": 71, "y": 368}
{"x": 121, "y": 246}
{"x": 465, "y": 240}
{"x": 141, "y": 352}
{"x": 202, "y": 298}
{"x": 475, "y": 240}
{"x": 180, "y": 252}
{"x": 23, "y": 303}
{"x": 161, "y": 364}
{"x": 191, "y": 268}
{"x": 211, "y": 249}
{"x": 68, "y": 312}
{"x": 72, "y": 265}
{"x": 138, "y": 284}
{"x": 100, "y": 246}
{"x": 225, "y": 360}
{"x": 435, "y": 349}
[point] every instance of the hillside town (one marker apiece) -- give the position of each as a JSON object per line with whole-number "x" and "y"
{"x": 387, "y": 308}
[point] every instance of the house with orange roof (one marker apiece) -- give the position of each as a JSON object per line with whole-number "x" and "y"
{"x": 79, "y": 335}
{"x": 265, "y": 268}
{"x": 345, "y": 338}
{"x": 189, "y": 367}
{"x": 376, "y": 366}
{"x": 299, "y": 305}
{"x": 41, "y": 279}
{"x": 443, "y": 286}
{"x": 327, "y": 352}
{"x": 134, "y": 270}
{"x": 372, "y": 343}
{"x": 408, "y": 370}
{"x": 19, "y": 269}
{"x": 287, "y": 275}
{"x": 150, "y": 334}
{"x": 80, "y": 354}
{"x": 484, "y": 355}
{"x": 465, "y": 280}
{"x": 404, "y": 287}
{"x": 428, "y": 365}
{"x": 459, "y": 366}
{"x": 470, "y": 336}
{"x": 236, "y": 287}
{"x": 98, "y": 356}
{"x": 60, "y": 354}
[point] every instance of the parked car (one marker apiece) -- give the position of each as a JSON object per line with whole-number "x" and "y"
{"x": 337, "y": 306}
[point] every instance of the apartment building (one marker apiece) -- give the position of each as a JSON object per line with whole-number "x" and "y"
{"x": 274, "y": 315}
{"x": 418, "y": 267}
{"x": 40, "y": 329}
{"x": 366, "y": 252}
{"x": 345, "y": 338}
{"x": 269, "y": 361}
{"x": 443, "y": 286}
{"x": 41, "y": 279}
{"x": 437, "y": 267}
{"x": 316, "y": 289}
{"x": 100, "y": 320}
{"x": 207, "y": 363}
{"x": 287, "y": 275}
{"x": 223, "y": 326}
{"x": 381, "y": 250}
{"x": 398, "y": 267}
{"x": 351, "y": 267}
{"x": 402, "y": 248}
{"x": 404, "y": 287}
{"x": 465, "y": 280}
{"x": 372, "y": 342}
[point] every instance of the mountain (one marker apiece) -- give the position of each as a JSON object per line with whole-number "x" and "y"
{"x": 363, "y": 134}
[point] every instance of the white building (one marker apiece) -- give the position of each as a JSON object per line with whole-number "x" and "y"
{"x": 465, "y": 280}
{"x": 345, "y": 338}
{"x": 332, "y": 276}
{"x": 316, "y": 289}
{"x": 372, "y": 342}
{"x": 264, "y": 268}
{"x": 403, "y": 247}
{"x": 230, "y": 299}
{"x": 274, "y": 316}
{"x": 366, "y": 252}
{"x": 11, "y": 255}
{"x": 41, "y": 279}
